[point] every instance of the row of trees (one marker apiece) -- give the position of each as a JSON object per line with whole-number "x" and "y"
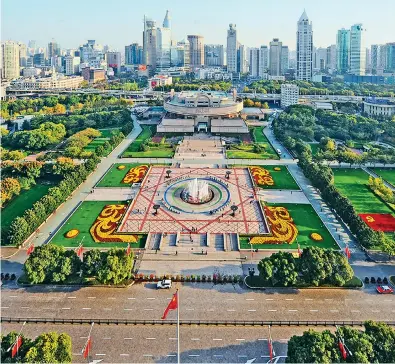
{"x": 315, "y": 267}
{"x": 24, "y": 226}
{"x": 48, "y": 347}
{"x": 377, "y": 186}
{"x": 46, "y": 134}
{"x": 374, "y": 344}
{"x": 183, "y": 85}
{"x": 11, "y": 155}
{"x": 255, "y": 103}
{"x": 54, "y": 264}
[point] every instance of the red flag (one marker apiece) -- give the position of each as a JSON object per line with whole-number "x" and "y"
{"x": 173, "y": 305}
{"x": 270, "y": 344}
{"x": 16, "y": 346}
{"x": 128, "y": 249}
{"x": 348, "y": 252}
{"x": 87, "y": 348}
{"x": 299, "y": 251}
{"x": 342, "y": 349}
{"x": 30, "y": 249}
{"x": 80, "y": 252}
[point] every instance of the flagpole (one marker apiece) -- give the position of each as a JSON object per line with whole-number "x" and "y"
{"x": 89, "y": 338}
{"x": 178, "y": 326}
{"x": 17, "y": 336}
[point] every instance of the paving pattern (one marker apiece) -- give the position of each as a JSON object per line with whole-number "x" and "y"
{"x": 248, "y": 218}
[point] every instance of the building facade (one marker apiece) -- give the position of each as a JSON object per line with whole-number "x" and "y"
{"x": 379, "y": 107}
{"x": 196, "y": 50}
{"x": 289, "y": 95}
{"x": 231, "y": 49}
{"x": 164, "y": 43}
{"x": 284, "y": 59}
{"x": 71, "y": 65}
{"x": 357, "y": 50}
{"x": 133, "y": 54}
{"x": 149, "y": 43}
{"x": 331, "y": 57}
{"x": 390, "y": 57}
{"x": 304, "y": 49}
{"x": 343, "y": 50}
{"x": 214, "y": 55}
{"x": 113, "y": 60}
{"x": 9, "y": 60}
{"x": 53, "y": 82}
{"x": 275, "y": 57}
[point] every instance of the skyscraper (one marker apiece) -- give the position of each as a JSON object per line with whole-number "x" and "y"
{"x": 132, "y": 54}
{"x": 164, "y": 43}
{"x": 304, "y": 49}
{"x": 231, "y": 49}
{"x": 357, "y": 50}
{"x": 254, "y": 62}
{"x": 284, "y": 59}
{"x": 343, "y": 50}
{"x": 9, "y": 60}
{"x": 275, "y": 57}
{"x": 390, "y": 57}
{"x": 263, "y": 60}
{"x": 331, "y": 57}
{"x": 214, "y": 55}
{"x": 149, "y": 43}
{"x": 196, "y": 50}
{"x": 53, "y": 50}
{"x": 242, "y": 63}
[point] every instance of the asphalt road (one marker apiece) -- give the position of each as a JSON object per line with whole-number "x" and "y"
{"x": 150, "y": 344}
{"x": 199, "y": 301}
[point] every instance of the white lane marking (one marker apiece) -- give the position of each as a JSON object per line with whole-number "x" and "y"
{"x": 131, "y": 298}
{"x": 91, "y": 298}
{"x": 292, "y": 310}
{"x": 289, "y": 299}
{"x": 194, "y": 355}
{"x": 150, "y": 338}
{"x": 123, "y": 354}
{"x": 231, "y": 310}
{"x": 334, "y": 310}
{"x": 313, "y": 310}
{"x": 328, "y": 299}
{"x": 283, "y": 340}
{"x": 217, "y": 355}
{"x": 171, "y": 354}
{"x": 83, "y": 337}
{"x": 262, "y": 339}
{"x": 387, "y": 300}
{"x": 150, "y": 298}
{"x": 240, "y": 339}
{"x": 217, "y": 339}
{"x": 308, "y": 299}
{"x": 128, "y": 309}
{"x": 107, "y": 309}
{"x": 375, "y": 310}
{"x": 72, "y": 297}
{"x": 251, "y": 310}
{"x": 24, "y": 307}
{"x": 250, "y": 299}
{"x": 4, "y": 307}
{"x": 190, "y": 309}
{"x": 148, "y": 309}
{"x": 66, "y": 308}
{"x": 106, "y": 338}
{"x": 112, "y": 298}
{"x": 100, "y": 354}
{"x": 172, "y": 338}
{"x": 12, "y": 296}
{"x": 269, "y": 299}
{"x": 86, "y": 308}
{"x": 128, "y": 338}
{"x": 195, "y": 339}
{"x": 148, "y": 355}
{"x": 272, "y": 310}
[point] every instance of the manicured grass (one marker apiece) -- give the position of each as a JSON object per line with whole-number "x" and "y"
{"x": 113, "y": 178}
{"x": 107, "y": 133}
{"x": 353, "y": 183}
{"x": 307, "y": 221}
{"x": 283, "y": 180}
{"x": 388, "y": 174}
{"x": 94, "y": 144}
{"x": 23, "y": 202}
{"x": 314, "y": 148}
{"x": 82, "y": 220}
{"x": 133, "y": 150}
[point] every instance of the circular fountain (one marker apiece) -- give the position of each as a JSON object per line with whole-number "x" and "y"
{"x": 197, "y": 192}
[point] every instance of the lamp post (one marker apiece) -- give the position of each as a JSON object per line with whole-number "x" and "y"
{"x": 234, "y": 208}
{"x": 227, "y": 174}
{"x": 168, "y": 173}
{"x": 156, "y": 208}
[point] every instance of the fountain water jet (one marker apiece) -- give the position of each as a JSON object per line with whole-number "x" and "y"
{"x": 197, "y": 192}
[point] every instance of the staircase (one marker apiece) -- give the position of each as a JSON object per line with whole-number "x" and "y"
{"x": 217, "y": 242}
{"x": 154, "y": 241}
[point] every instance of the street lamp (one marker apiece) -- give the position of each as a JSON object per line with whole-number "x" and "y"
{"x": 156, "y": 208}
{"x": 168, "y": 173}
{"x": 234, "y": 208}
{"x": 227, "y": 174}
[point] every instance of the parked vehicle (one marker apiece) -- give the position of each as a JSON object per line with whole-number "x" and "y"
{"x": 164, "y": 284}
{"x": 384, "y": 289}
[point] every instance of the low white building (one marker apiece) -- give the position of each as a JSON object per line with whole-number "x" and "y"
{"x": 31, "y": 71}
{"x": 213, "y": 73}
{"x": 54, "y": 81}
{"x": 289, "y": 95}
{"x": 159, "y": 80}
{"x": 382, "y": 107}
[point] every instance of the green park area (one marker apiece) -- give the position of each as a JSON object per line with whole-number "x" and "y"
{"x": 24, "y": 201}
{"x": 314, "y": 148}
{"x": 114, "y": 176}
{"x": 82, "y": 219}
{"x": 142, "y": 147}
{"x": 353, "y": 183}
{"x": 307, "y": 222}
{"x": 108, "y": 133}
{"x": 259, "y": 149}
{"x": 283, "y": 180}
{"x": 387, "y": 174}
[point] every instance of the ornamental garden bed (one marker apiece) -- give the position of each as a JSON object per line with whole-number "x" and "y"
{"x": 387, "y": 174}
{"x": 273, "y": 178}
{"x": 83, "y": 219}
{"x": 257, "y": 282}
{"x": 116, "y": 174}
{"x": 307, "y": 222}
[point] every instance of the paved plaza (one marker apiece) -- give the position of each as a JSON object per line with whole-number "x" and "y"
{"x": 215, "y": 216}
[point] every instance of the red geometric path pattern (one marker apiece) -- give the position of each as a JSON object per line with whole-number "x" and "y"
{"x": 248, "y": 219}
{"x": 379, "y": 222}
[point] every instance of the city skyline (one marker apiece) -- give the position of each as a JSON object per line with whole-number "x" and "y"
{"x": 70, "y": 32}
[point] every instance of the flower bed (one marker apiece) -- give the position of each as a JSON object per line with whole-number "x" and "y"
{"x": 135, "y": 174}
{"x": 261, "y": 176}
{"x": 72, "y": 233}
{"x": 316, "y": 237}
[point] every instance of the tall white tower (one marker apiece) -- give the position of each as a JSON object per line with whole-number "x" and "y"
{"x": 357, "y": 50}
{"x": 304, "y": 49}
{"x": 231, "y": 49}
{"x": 163, "y": 39}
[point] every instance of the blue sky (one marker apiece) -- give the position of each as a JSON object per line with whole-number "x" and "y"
{"x": 119, "y": 22}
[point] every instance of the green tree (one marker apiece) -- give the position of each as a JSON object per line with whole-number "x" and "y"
{"x": 19, "y": 231}
{"x": 92, "y": 262}
{"x": 7, "y": 341}
{"x": 382, "y": 337}
{"x": 359, "y": 343}
{"x": 116, "y": 268}
{"x": 279, "y": 269}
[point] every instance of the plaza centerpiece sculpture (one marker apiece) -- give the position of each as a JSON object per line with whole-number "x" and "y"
{"x": 197, "y": 191}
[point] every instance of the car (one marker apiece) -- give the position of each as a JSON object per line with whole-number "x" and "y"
{"x": 384, "y": 289}
{"x": 278, "y": 151}
{"x": 164, "y": 284}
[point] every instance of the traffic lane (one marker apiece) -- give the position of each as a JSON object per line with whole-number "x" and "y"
{"x": 198, "y": 303}
{"x": 149, "y": 344}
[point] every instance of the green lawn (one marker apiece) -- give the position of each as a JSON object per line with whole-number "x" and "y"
{"x": 107, "y": 133}
{"x": 23, "y": 202}
{"x": 353, "y": 184}
{"x": 283, "y": 180}
{"x": 82, "y": 220}
{"x": 94, "y": 144}
{"x": 314, "y": 148}
{"x": 388, "y": 174}
{"x": 113, "y": 178}
{"x": 133, "y": 150}
{"x": 307, "y": 221}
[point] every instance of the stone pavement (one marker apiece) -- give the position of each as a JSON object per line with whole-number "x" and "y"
{"x": 110, "y": 194}
{"x": 283, "y": 196}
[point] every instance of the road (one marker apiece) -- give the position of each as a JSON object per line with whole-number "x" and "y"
{"x": 199, "y": 301}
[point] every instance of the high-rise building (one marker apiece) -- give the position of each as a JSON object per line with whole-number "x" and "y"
{"x": 39, "y": 60}
{"x": 263, "y": 60}
{"x": 343, "y": 50}
{"x": 149, "y": 43}
{"x": 179, "y": 54}
{"x": 319, "y": 59}
{"x": 22, "y": 54}
{"x": 163, "y": 40}
{"x": 71, "y": 65}
{"x": 53, "y": 51}
{"x": 390, "y": 57}
{"x": 304, "y": 49}
{"x": 231, "y": 49}
{"x": 242, "y": 62}
{"x": 254, "y": 62}
{"x": 196, "y": 50}
{"x": 284, "y": 59}
{"x": 357, "y": 50}
{"x": 368, "y": 67}
{"x": 275, "y": 57}
{"x": 214, "y": 55}
{"x": 331, "y": 57}
{"x": 289, "y": 95}
{"x": 132, "y": 54}
{"x": 113, "y": 60}
{"x": 258, "y": 61}
{"x": 9, "y": 60}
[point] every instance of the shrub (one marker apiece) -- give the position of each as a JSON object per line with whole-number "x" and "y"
{"x": 151, "y": 277}
{"x": 7, "y": 276}
{"x": 385, "y": 280}
{"x": 372, "y": 280}
{"x": 198, "y": 278}
{"x": 379, "y": 280}
{"x": 2, "y": 276}
{"x": 367, "y": 280}
{"x": 235, "y": 279}
{"x": 208, "y": 278}
{"x": 204, "y": 278}
{"x": 182, "y": 278}
{"x": 188, "y": 278}
{"x": 225, "y": 278}
{"x": 193, "y": 278}
{"x": 13, "y": 277}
